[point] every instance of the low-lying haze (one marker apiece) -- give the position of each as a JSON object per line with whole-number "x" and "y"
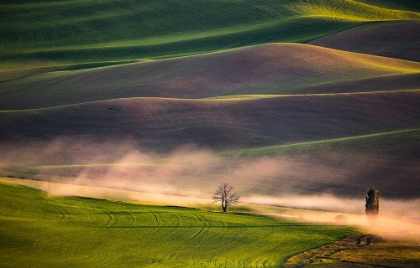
{"x": 337, "y": 182}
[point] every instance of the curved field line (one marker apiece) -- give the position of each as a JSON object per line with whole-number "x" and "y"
{"x": 202, "y": 230}
{"x": 60, "y": 210}
{"x": 158, "y": 223}
{"x": 178, "y": 219}
{"x": 318, "y": 142}
{"x": 132, "y": 216}
{"x": 112, "y": 218}
{"x": 227, "y": 98}
{"x": 85, "y": 210}
{"x": 171, "y": 38}
{"x": 123, "y": 217}
{"x": 159, "y": 220}
{"x": 351, "y": 11}
{"x": 246, "y": 97}
{"x": 9, "y": 209}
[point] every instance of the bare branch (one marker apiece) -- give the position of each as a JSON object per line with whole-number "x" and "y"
{"x": 225, "y": 195}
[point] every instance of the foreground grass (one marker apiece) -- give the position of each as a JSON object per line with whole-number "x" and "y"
{"x": 38, "y": 230}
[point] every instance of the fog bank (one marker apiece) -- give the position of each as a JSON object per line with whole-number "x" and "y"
{"x": 334, "y": 182}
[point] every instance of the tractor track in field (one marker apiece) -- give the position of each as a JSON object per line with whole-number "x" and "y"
{"x": 60, "y": 210}
{"x": 202, "y": 229}
{"x": 112, "y": 219}
{"x": 12, "y": 209}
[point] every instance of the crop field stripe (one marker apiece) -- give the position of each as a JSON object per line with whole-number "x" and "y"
{"x": 245, "y": 151}
{"x": 227, "y": 98}
{"x": 169, "y": 39}
{"x": 315, "y": 143}
{"x": 247, "y": 97}
{"x": 352, "y": 11}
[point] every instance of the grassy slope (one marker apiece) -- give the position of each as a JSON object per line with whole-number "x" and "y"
{"x": 351, "y": 11}
{"x": 392, "y": 4}
{"x": 38, "y": 230}
{"x": 57, "y": 33}
{"x": 264, "y": 69}
{"x": 130, "y": 29}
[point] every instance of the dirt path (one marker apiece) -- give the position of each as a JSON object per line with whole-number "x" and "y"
{"x": 361, "y": 250}
{"x": 323, "y": 256}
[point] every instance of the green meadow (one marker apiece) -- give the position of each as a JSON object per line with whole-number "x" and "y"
{"x": 39, "y": 230}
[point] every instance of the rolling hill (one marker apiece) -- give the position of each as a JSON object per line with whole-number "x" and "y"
{"x": 40, "y": 36}
{"x": 175, "y": 93}
{"x": 347, "y": 141}
{"x": 229, "y": 123}
{"x": 264, "y": 69}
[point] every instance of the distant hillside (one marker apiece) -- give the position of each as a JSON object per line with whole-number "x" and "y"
{"x": 83, "y": 34}
{"x": 160, "y": 123}
{"x": 390, "y": 39}
{"x": 310, "y": 144}
{"x": 363, "y": 11}
{"x": 264, "y": 69}
{"x": 395, "y": 4}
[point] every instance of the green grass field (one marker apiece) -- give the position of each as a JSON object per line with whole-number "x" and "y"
{"x": 80, "y": 34}
{"x": 39, "y": 230}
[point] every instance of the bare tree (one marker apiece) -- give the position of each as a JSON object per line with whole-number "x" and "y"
{"x": 225, "y": 195}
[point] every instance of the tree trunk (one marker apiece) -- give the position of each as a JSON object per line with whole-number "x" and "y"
{"x": 224, "y": 207}
{"x": 372, "y": 205}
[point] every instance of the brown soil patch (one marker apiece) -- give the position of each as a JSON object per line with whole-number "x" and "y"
{"x": 360, "y": 250}
{"x": 323, "y": 255}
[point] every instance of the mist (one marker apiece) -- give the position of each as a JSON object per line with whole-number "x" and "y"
{"x": 124, "y": 171}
